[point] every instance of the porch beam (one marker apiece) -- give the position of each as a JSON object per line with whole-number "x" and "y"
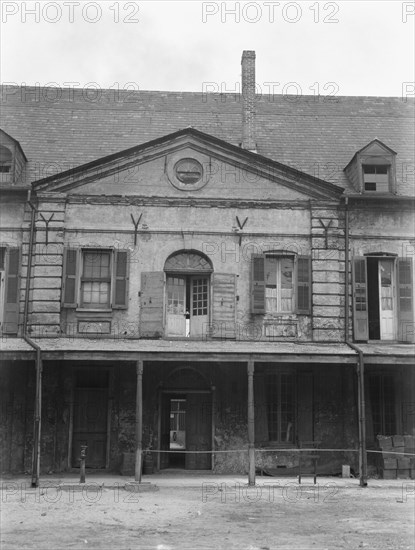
{"x": 139, "y": 422}
{"x": 251, "y": 424}
{"x": 202, "y": 357}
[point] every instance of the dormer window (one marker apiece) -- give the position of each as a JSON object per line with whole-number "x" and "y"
{"x": 5, "y": 163}
{"x": 376, "y": 178}
{"x": 372, "y": 169}
{"x": 12, "y": 160}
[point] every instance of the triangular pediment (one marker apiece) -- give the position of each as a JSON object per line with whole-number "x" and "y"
{"x": 189, "y": 163}
{"x": 376, "y": 147}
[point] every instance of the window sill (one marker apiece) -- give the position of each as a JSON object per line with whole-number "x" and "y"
{"x": 86, "y": 310}
{"x": 280, "y": 318}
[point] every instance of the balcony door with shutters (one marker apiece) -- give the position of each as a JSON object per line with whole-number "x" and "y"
{"x": 187, "y": 305}
{"x": 383, "y": 298}
{"x": 187, "y": 294}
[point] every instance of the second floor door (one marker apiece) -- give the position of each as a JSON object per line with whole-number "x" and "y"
{"x": 187, "y": 307}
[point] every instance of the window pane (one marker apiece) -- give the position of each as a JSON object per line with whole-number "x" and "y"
{"x": 271, "y": 264}
{"x": 279, "y": 289}
{"x": 175, "y": 295}
{"x": 287, "y": 266}
{"x": 376, "y": 178}
{"x": 199, "y": 297}
{"x": 96, "y": 265}
{"x": 381, "y": 170}
{"x": 370, "y": 186}
{"x": 96, "y": 294}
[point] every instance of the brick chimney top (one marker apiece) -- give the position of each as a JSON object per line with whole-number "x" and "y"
{"x": 248, "y": 100}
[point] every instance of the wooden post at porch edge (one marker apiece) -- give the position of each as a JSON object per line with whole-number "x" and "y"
{"x": 139, "y": 422}
{"x": 251, "y": 424}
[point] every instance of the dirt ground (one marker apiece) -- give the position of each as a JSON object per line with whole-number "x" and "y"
{"x": 209, "y": 513}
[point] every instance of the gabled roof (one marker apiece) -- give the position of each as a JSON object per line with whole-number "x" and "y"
{"x": 61, "y": 128}
{"x": 375, "y": 142}
{"x": 252, "y": 162}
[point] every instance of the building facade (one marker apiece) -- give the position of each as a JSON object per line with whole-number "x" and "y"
{"x": 227, "y": 275}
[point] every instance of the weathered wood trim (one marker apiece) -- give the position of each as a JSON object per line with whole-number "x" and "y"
{"x": 193, "y": 356}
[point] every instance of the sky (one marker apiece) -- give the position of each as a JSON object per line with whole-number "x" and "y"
{"x": 321, "y": 47}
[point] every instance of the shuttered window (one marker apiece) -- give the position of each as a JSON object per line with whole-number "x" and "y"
{"x": 405, "y": 300}
{"x": 120, "y": 279}
{"x": 95, "y": 278}
{"x": 303, "y": 284}
{"x": 258, "y": 284}
{"x": 12, "y": 291}
{"x": 223, "y": 306}
{"x": 280, "y": 284}
{"x": 152, "y": 304}
{"x": 70, "y": 266}
{"x": 360, "y": 306}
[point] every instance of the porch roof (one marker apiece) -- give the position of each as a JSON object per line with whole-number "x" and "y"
{"x": 97, "y": 348}
{"x": 382, "y": 352}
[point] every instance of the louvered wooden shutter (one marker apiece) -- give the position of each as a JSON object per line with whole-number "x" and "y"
{"x": 152, "y": 311}
{"x": 223, "y": 306}
{"x": 360, "y": 305}
{"x": 405, "y": 300}
{"x": 261, "y": 409}
{"x": 305, "y": 406}
{"x": 258, "y": 284}
{"x": 12, "y": 291}
{"x": 70, "y": 273}
{"x": 120, "y": 279}
{"x": 303, "y": 284}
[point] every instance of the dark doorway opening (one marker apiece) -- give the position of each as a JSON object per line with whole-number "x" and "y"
{"x": 90, "y": 417}
{"x": 186, "y": 426}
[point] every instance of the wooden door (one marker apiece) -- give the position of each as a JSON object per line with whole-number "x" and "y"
{"x": 199, "y": 309}
{"x": 176, "y": 306}
{"x": 198, "y": 430}
{"x": 386, "y": 299}
{"x": 90, "y": 426}
{"x": 165, "y": 431}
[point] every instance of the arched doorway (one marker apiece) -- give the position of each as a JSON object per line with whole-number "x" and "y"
{"x": 187, "y": 294}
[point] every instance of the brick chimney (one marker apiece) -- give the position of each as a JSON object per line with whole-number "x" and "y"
{"x": 248, "y": 100}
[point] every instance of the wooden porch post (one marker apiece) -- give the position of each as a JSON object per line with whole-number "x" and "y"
{"x": 139, "y": 422}
{"x": 251, "y": 424}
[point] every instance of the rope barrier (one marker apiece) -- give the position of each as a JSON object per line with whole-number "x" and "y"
{"x": 279, "y": 451}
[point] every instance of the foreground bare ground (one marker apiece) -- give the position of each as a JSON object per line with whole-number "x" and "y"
{"x": 214, "y": 515}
